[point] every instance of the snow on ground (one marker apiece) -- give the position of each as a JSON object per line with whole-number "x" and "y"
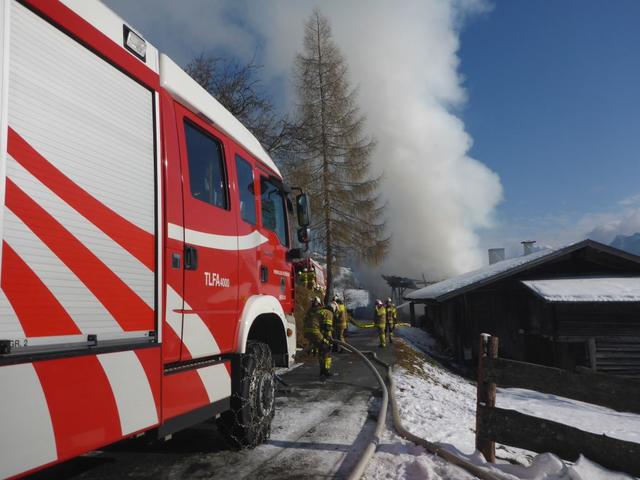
{"x": 440, "y": 406}
{"x": 585, "y": 416}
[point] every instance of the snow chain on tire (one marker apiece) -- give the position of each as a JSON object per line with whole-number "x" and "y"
{"x": 248, "y": 422}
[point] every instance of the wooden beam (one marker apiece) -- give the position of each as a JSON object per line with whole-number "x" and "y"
{"x": 622, "y": 394}
{"x": 531, "y": 433}
{"x": 486, "y": 394}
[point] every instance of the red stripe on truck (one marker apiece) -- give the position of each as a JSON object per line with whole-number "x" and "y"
{"x": 31, "y": 299}
{"x": 129, "y": 310}
{"x": 132, "y": 238}
{"x": 83, "y": 409}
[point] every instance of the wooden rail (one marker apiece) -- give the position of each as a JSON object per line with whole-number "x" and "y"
{"x": 622, "y": 394}
{"x": 532, "y": 433}
{"x": 539, "y": 435}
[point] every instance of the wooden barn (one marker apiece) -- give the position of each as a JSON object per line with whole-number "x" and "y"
{"x": 573, "y": 306}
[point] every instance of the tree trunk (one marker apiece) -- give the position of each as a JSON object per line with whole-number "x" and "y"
{"x": 325, "y": 174}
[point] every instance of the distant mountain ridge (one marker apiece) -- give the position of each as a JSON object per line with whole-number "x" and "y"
{"x": 628, "y": 243}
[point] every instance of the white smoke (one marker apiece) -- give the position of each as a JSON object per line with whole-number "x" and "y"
{"x": 403, "y": 57}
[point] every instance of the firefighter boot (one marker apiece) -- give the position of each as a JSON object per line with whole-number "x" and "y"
{"x": 326, "y": 368}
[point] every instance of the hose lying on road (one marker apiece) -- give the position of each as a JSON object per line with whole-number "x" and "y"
{"x": 358, "y": 471}
{"x": 372, "y": 446}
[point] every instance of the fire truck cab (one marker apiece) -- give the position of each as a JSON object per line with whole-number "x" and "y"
{"x": 146, "y": 264}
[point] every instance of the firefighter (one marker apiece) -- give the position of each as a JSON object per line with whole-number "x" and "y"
{"x": 306, "y": 278}
{"x": 392, "y": 318}
{"x": 311, "y": 279}
{"x": 341, "y": 320}
{"x": 302, "y": 277}
{"x": 334, "y": 306}
{"x": 380, "y": 321}
{"x": 336, "y": 319}
{"x": 318, "y": 325}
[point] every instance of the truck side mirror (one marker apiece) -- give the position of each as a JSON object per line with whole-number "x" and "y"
{"x": 302, "y": 210}
{"x": 304, "y": 234}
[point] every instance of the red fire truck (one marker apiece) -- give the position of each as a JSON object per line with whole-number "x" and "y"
{"x": 146, "y": 280}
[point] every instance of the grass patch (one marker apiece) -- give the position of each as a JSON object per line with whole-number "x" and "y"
{"x": 414, "y": 361}
{"x": 411, "y": 360}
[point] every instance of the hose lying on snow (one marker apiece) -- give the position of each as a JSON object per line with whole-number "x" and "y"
{"x": 358, "y": 471}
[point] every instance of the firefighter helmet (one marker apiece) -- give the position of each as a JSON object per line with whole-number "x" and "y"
{"x": 316, "y": 302}
{"x": 388, "y": 301}
{"x": 378, "y": 302}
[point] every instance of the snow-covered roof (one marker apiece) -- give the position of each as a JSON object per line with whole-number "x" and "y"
{"x": 187, "y": 91}
{"x": 453, "y": 284}
{"x": 587, "y": 289}
{"x": 456, "y": 285}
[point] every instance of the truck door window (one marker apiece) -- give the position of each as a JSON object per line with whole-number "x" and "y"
{"x": 274, "y": 214}
{"x": 206, "y": 167}
{"x": 247, "y": 190}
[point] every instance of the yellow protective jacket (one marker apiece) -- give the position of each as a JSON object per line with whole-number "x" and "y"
{"x": 381, "y": 316}
{"x": 343, "y": 316}
{"x": 392, "y": 314}
{"x": 318, "y": 323}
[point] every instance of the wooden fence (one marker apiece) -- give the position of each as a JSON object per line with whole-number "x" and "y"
{"x": 532, "y": 433}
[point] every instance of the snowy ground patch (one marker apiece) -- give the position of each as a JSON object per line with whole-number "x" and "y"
{"x": 439, "y": 405}
{"x": 585, "y": 416}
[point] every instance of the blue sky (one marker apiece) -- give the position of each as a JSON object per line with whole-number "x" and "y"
{"x": 554, "y": 106}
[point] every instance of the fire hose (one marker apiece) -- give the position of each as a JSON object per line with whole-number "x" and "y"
{"x": 388, "y": 394}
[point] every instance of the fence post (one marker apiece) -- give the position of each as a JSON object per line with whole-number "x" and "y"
{"x": 592, "y": 354}
{"x": 412, "y": 312}
{"x": 486, "y": 394}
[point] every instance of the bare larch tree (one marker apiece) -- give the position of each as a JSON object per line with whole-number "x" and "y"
{"x": 332, "y": 153}
{"x": 238, "y": 88}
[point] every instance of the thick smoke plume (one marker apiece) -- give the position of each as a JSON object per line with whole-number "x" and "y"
{"x": 403, "y": 58}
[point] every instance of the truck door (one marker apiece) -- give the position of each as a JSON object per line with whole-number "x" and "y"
{"x": 275, "y": 271}
{"x": 211, "y": 241}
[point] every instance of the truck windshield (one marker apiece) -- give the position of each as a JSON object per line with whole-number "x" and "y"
{"x": 274, "y": 212}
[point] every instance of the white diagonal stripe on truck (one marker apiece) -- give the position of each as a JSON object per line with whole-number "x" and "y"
{"x": 28, "y": 440}
{"x": 216, "y": 381}
{"x": 126, "y": 267}
{"x": 82, "y": 306}
{"x": 198, "y": 338}
{"x": 213, "y": 240}
{"x": 10, "y": 326}
{"x": 131, "y": 389}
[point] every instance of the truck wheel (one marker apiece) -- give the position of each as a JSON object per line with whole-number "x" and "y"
{"x": 248, "y": 422}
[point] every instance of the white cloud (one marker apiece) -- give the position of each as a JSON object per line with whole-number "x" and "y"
{"x": 608, "y": 226}
{"x": 403, "y": 56}
{"x": 629, "y": 201}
